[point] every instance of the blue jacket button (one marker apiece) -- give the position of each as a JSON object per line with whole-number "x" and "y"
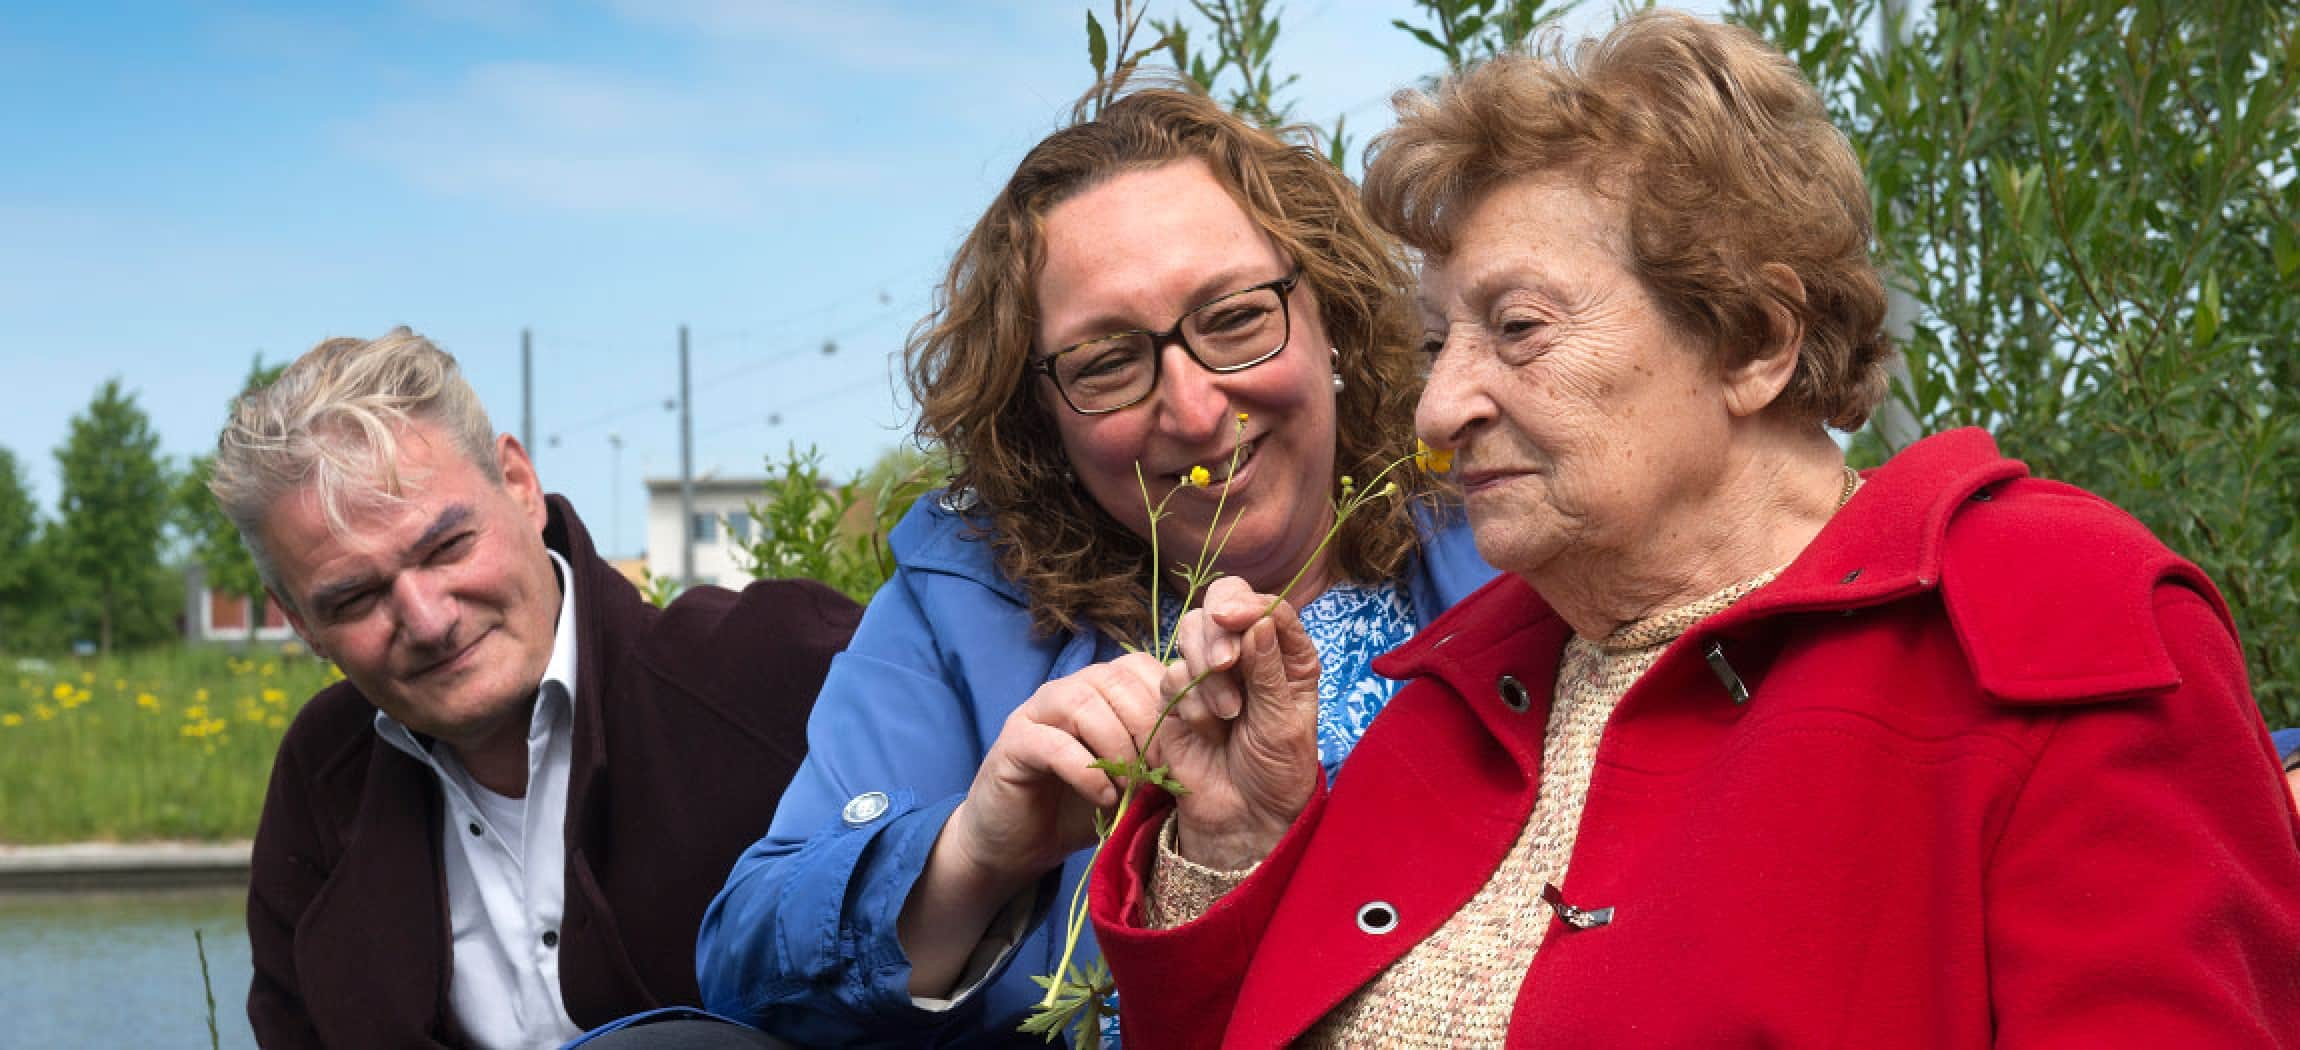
{"x": 864, "y": 808}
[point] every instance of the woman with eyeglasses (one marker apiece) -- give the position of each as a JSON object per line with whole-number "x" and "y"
{"x": 1160, "y": 289}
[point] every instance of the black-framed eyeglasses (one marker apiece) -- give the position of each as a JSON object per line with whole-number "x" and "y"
{"x": 1227, "y": 334}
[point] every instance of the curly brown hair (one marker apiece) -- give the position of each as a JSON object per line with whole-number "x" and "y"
{"x": 1724, "y": 158}
{"x": 966, "y": 360}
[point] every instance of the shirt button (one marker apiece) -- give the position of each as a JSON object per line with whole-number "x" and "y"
{"x": 864, "y": 808}
{"x": 551, "y": 938}
{"x": 475, "y": 828}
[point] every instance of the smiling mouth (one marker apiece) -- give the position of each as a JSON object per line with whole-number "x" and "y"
{"x": 1473, "y": 481}
{"x": 450, "y": 659}
{"x": 1222, "y": 470}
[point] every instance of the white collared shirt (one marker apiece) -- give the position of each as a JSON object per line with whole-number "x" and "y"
{"x": 506, "y": 864}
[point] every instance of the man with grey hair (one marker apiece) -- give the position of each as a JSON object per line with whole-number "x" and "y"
{"x": 503, "y": 826}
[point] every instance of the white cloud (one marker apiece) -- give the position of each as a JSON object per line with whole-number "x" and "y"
{"x": 583, "y": 139}
{"x": 489, "y": 14}
{"x": 278, "y": 35}
{"x": 860, "y": 35}
{"x": 758, "y": 103}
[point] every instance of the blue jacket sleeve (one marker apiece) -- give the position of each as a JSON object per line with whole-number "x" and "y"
{"x": 802, "y": 941}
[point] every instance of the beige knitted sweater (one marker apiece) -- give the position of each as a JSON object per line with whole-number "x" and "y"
{"x": 1449, "y": 990}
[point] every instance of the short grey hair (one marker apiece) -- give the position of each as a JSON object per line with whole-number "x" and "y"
{"x": 332, "y": 422}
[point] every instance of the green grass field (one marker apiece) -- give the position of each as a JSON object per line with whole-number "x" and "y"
{"x": 175, "y": 743}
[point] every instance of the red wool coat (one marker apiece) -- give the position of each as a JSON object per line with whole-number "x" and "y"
{"x": 1999, "y": 781}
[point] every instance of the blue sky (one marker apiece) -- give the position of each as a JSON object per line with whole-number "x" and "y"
{"x": 192, "y": 185}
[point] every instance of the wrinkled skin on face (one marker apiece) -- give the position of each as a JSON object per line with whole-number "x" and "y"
{"x": 440, "y": 607}
{"x": 1577, "y": 414}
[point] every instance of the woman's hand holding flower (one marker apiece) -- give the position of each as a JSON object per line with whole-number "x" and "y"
{"x": 1034, "y": 797}
{"x": 1243, "y": 741}
{"x": 1031, "y": 805}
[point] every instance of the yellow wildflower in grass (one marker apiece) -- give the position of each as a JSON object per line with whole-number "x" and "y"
{"x": 200, "y": 695}
{"x": 1432, "y": 460}
{"x": 62, "y": 691}
{"x": 277, "y": 722}
{"x": 274, "y": 696}
{"x": 11, "y": 720}
{"x": 1200, "y": 477}
{"x": 196, "y": 712}
{"x": 268, "y": 669}
{"x": 147, "y": 701}
{"x": 87, "y": 678}
{"x": 43, "y": 712}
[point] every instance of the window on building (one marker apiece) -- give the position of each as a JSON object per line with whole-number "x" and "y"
{"x": 739, "y": 526}
{"x": 703, "y": 527}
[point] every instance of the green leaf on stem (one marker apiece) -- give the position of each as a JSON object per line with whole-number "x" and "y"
{"x": 1097, "y": 46}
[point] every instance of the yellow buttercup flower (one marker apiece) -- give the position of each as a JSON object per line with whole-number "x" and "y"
{"x": 11, "y": 720}
{"x": 1201, "y": 477}
{"x": 1432, "y": 460}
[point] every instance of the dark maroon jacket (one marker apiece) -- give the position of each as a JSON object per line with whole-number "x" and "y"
{"x": 689, "y": 722}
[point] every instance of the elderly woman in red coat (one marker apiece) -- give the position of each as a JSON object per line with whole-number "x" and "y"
{"x": 1743, "y": 748}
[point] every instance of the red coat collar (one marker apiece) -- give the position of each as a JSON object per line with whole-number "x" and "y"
{"x": 1915, "y": 528}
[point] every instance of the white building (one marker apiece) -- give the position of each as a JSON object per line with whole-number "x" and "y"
{"x": 721, "y": 522}
{"x": 213, "y": 617}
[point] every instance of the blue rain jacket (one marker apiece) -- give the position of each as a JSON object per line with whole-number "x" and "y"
{"x": 801, "y": 941}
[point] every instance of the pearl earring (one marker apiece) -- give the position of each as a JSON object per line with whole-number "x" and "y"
{"x": 1337, "y": 352}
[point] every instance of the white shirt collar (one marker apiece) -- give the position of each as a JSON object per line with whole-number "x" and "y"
{"x": 505, "y": 871}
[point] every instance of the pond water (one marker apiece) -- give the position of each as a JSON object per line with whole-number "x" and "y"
{"x": 106, "y": 969}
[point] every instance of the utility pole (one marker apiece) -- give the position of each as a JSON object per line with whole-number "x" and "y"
{"x": 527, "y": 391}
{"x": 615, "y": 486}
{"x": 686, "y": 470}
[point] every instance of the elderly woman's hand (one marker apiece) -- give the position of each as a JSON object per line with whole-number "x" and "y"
{"x": 1243, "y": 743}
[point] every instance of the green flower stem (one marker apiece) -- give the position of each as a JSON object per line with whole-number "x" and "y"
{"x": 1074, "y": 924}
{"x": 1076, "y": 921}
